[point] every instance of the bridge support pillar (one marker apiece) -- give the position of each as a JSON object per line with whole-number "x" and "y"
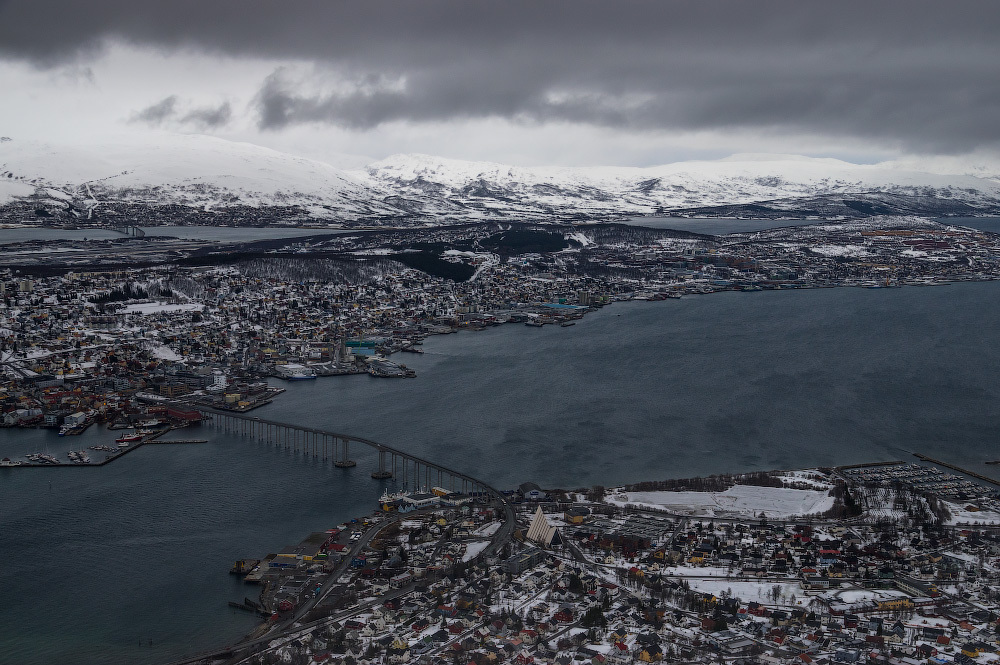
{"x": 381, "y": 472}
{"x": 345, "y": 461}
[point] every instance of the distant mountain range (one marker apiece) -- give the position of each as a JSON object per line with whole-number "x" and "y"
{"x": 209, "y": 180}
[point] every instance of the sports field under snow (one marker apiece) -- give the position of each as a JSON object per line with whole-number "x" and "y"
{"x": 743, "y": 500}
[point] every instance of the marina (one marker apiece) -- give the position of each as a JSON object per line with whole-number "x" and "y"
{"x": 126, "y": 444}
{"x": 923, "y": 478}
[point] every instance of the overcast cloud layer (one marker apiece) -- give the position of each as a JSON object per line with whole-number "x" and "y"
{"x": 909, "y": 77}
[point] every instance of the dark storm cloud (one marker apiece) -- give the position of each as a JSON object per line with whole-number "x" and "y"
{"x": 210, "y": 117}
{"x": 158, "y": 113}
{"x": 166, "y": 111}
{"x": 912, "y": 73}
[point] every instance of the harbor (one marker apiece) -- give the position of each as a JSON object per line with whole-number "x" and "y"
{"x": 45, "y": 461}
{"x": 923, "y": 478}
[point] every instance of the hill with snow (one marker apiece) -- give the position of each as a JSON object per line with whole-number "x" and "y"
{"x": 202, "y": 179}
{"x": 486, "y": 189}
{"x": 193, "y": 171}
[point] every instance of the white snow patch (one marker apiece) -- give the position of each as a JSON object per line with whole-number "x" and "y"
{"x": 474, "y": 548}
{"x": 840, "y": 250}
{"x": 737, "y": 500}
{"x": 164, "y": 352}
{"x": 959, "y": 515}
{"x": 749, "y": 591}
{"x": 489, "y": 529}
{"x": 145, "y": 308}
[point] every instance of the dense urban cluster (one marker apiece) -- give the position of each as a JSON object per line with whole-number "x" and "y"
{"x": 92, "y": 340}
{"x": 892, "y": 563}
{"x": 607, "y": 576}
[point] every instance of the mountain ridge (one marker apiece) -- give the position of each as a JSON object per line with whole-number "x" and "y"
{"x": 206, "y": 175}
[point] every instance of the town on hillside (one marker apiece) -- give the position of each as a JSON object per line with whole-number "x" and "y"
{"x": 88, "y": 336}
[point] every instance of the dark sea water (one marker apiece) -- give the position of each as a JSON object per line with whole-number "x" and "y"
{"x": 220, "y": 233}
{"x": 97, "y": 559}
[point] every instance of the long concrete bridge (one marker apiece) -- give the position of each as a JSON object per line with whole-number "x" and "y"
{"x": 322, "y": 444}
{"x": 128, "y": 230}
{"x": 409, "y": 469}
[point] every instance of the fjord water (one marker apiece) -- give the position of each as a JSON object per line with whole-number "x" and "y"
{"x": 97, "y": 559}
{"x": 208, "y": 233}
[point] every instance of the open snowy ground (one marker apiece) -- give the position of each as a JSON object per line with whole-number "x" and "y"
{"x": 751, "y": 591}
{"x": 157, "y": 307}
{"x": 860, "y": 595}
{"x": 474, "y": 548}
{"x": 739, "y": 500}
{"x": 959, "y": 515}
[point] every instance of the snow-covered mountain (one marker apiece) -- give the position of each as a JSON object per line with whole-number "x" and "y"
{"x": 188, "y": 170}
{"x": 201, "y": 178}
{"x": 485, "y": 187}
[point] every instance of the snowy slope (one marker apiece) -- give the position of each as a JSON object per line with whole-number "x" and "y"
{"x": 189, "y": 170}
{"x": 603, "y": 190}
{"x": 209, "y": 174}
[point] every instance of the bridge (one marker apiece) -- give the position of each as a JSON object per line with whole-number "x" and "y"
{"x": 323, "y": 444}
{"x": 128, "y": 230}
{"x": 412, "y": 470}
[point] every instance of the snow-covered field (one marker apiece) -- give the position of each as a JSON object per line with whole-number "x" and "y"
{"x": 157, "y": 307}
{"x": 840, "y": 250}
{"x": 751, "y": 591}
{"x": 858, "y": 595}
{"x": 489, "y": 529}
{"x": 742, "y": 500}
{"x": 474, "y": 548}
{"x": 164, "y": 352}
{"x": 959, "y": 515}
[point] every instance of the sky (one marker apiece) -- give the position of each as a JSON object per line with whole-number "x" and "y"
{"x": 526, "y": 82}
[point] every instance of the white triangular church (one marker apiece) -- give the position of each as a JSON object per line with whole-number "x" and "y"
{"x": 542, "y": 532}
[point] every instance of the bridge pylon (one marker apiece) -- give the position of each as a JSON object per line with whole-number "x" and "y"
{"x": 381, "y": 473}
{"x": 344, "y": 462}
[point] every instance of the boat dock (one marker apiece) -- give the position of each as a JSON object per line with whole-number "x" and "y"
{"x": 153, "y": 438}
{"x": 977, "y": 476}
